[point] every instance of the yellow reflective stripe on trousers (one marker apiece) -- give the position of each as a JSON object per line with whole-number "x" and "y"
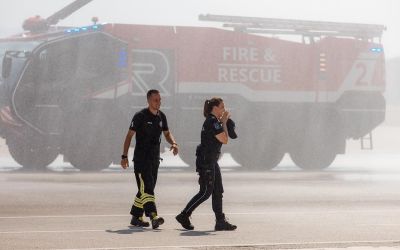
{"x": 141, "y": 185}
{"x": 138, "y": 203}
{"x": 144, "y": 197}
{"x": 148, "y": 200}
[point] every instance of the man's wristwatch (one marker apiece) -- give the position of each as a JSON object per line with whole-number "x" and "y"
{"x": 124, "y": 157}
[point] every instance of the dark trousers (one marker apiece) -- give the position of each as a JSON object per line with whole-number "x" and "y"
{"x": 146, "y": 179}
{"x": 210, "y": 181}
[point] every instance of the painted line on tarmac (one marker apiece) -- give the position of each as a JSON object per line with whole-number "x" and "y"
{"x": 63, "y": 216}
{"x": 57, "y": 231}
{"x": 328, "y": 245}
{"x": 203, "y": 214}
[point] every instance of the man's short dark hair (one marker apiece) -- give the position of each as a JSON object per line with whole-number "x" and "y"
{"x": 152, "y": 91}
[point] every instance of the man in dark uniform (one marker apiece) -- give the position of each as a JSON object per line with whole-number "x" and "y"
{"x": 148, "y": 125}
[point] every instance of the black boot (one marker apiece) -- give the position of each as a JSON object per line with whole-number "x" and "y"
{"x": 156, "y": 222}
{"x": 138, "y": 222}
{"x": 184, "y": 220}
{"x": 224, "y": 225}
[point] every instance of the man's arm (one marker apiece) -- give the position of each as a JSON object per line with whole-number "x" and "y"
{"x": 127, "y": 144}
{"x": 171, "y": 140}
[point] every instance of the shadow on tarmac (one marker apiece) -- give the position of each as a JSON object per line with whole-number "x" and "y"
{"x": 196, "y": 233}
{"x": 129, "y": 230}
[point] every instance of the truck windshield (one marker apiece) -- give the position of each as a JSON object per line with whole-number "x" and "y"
{"x": 16, "y": 46}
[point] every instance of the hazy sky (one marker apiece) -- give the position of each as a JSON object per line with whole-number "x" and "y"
{"x": 185, "y": 12}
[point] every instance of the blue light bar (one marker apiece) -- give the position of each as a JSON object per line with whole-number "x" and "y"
{"x": 84, "y": 29}
{"x": 123, "y": 58}
{"x": 377, "y": 50}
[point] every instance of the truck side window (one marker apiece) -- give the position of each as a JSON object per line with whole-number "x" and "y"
{"x": 56, "y": 63}
{"x": 96, "y": 62}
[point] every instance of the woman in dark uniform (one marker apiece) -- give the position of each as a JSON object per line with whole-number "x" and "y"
{"x": 214, "y": 133}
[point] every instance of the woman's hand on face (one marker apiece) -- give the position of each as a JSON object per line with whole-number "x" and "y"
{"x": 225, "y": 116}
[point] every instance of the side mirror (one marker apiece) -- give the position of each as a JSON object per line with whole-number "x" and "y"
{"x": 6, "y": 68}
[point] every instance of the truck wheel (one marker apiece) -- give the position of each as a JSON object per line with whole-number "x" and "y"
{"x": 89, "y": 158}
{"x": 319, "y": 142}
{"x": 313, "y": 157}
{"x": 256, "y": 159}
{"x": 31, "y": 155}
{"x": 91, "y": 153}
{"x": 255, "y": 153}
{"x": 89, "y": 141}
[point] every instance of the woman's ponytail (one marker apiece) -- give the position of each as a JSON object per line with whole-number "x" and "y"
{"x": 209, "y": 104}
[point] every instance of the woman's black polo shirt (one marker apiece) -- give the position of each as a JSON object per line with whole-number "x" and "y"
{"x": 211, "y": 127}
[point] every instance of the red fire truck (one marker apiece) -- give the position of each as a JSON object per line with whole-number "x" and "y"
{"x": 293, "y": 86}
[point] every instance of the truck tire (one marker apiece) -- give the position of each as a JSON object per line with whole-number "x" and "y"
{"x": 255, "y": 152}
{"x": 320, "y": 140}
{"x": 89, "y": 143}
{"x": 258, "y": 158}
{"x": 313, "y": 157}
{"x": 89, "y": 159}
{"x": 31, "y": 154}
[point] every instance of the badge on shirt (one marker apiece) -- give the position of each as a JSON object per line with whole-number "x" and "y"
{"x": 217, "y": 126}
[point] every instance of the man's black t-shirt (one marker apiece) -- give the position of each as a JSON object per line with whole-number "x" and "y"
{"x": 209, "y": 143}
{"x": 148, "y": 128}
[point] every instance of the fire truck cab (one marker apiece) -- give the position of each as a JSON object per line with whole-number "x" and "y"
{"x": 46, "y": 87}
